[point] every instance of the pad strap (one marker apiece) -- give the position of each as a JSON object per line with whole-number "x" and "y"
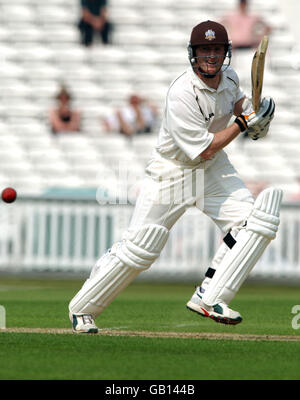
{"x": 210, "y": 272}
{"x": 229, "y": 240}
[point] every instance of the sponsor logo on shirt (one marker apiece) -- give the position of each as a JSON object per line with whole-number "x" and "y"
{"x": 211, "y": 115}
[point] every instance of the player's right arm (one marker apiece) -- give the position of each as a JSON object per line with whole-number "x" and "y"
{"x": 184, "y": 122}
{"x": 224, "y": 137}
{"x": 221, "y": 139}
{"x": 189, "y": 125}
{"x": 257, "y": 126}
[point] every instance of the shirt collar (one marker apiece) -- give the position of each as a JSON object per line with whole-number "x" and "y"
{"x": 199, "y": 84}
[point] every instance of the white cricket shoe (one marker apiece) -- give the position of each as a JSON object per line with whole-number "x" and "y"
{"x": 83, "y": 323}
{"x": 219, "y": 312}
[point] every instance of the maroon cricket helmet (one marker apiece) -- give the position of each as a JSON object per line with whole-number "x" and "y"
{"x": 209, "y": 32}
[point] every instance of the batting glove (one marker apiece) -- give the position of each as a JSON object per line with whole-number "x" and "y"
{"x": 257, "y": 124}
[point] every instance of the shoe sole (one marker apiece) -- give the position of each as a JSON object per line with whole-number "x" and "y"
{"x": 92, "y": 330}
{"x": 217, "y": 318}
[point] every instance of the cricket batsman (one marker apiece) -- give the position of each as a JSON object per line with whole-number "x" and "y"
{"x": 194, "y": 132}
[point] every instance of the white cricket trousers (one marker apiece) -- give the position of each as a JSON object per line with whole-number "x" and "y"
{"x": 171, "y": 187}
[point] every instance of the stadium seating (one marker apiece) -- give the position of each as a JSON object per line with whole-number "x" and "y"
{"x": 39, "y": 46}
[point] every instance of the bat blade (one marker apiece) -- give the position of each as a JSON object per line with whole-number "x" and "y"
{"x": 257, "y": 72}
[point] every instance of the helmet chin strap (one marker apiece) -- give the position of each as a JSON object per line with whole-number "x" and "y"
{"x": 206, "y": 75}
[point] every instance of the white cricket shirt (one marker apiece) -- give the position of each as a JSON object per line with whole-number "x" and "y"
{"x": 194, "y": 112}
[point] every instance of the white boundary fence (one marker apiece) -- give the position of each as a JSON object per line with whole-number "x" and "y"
{"x": 55, "y": 235}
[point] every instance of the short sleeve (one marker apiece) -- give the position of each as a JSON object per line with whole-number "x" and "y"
{"x": 186, "y": 124}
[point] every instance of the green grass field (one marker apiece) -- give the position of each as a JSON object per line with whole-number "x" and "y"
{"x": 146, "y": 307}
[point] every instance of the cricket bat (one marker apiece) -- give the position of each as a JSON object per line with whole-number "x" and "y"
{"x": 257, "y": 72}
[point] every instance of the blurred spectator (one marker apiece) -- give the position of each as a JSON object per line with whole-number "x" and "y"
{"x": 62, "y": 118}
{"x": 94, "y": 19}
{"x": 139, "y": 116}
{"x": 295, "y": 197}
{"x": 256, "y": 187}
{"x": 245, "y": 29}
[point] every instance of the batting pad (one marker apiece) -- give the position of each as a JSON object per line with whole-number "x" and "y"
{"x": 251, "y": 242}
{"x": 116, "y": 269}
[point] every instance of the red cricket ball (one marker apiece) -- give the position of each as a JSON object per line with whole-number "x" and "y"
{"x": 9, "y": 195}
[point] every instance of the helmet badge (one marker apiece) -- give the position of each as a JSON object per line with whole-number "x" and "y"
{"x": 210, "y": 35}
